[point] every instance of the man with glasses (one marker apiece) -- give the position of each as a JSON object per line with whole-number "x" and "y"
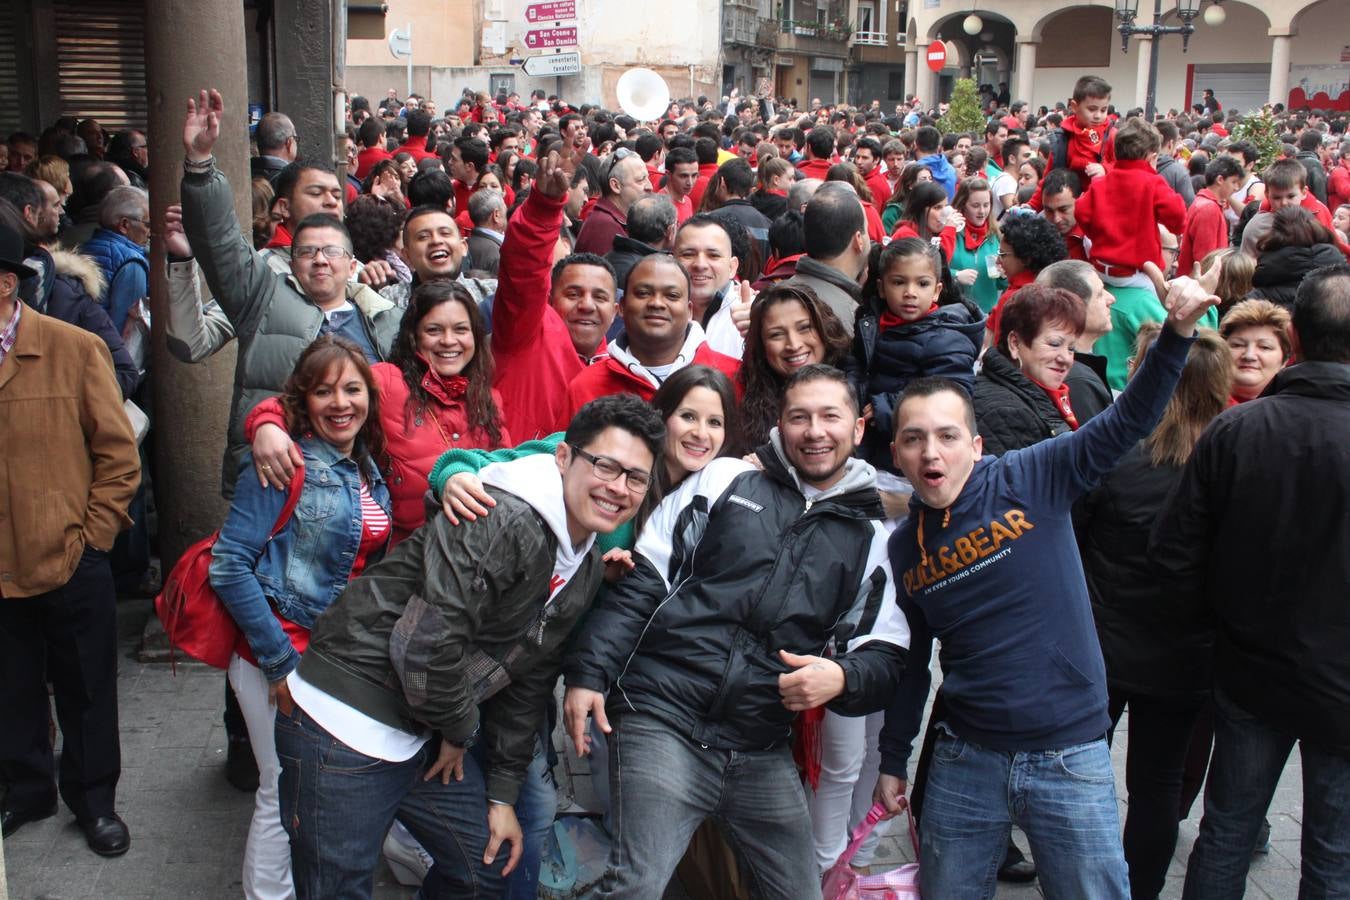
{"x": 426, "y": 682}
{"x": 121, "y": 247}
{"x": 274, "y": 316}
{"x": 625, "y": 180}
{"x": 760, "y": 591}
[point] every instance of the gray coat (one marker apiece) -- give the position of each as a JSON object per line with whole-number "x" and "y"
{"x": 838, "y": 292}
{"x": 271, "y": 316}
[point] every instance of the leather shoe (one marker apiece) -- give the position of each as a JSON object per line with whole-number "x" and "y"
{"x": 11, "y": 820}
{"x": 107, "y": 835}
{"x": 1016, "y": 868}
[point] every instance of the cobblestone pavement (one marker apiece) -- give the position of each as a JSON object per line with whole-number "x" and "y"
{"x": 188, "y": 825}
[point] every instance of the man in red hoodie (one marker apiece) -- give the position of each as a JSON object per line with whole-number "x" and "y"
{"x": 1206, "y": 227}
{"x": 546, "y": 327}
{"x": 820, "y": 143}
{"x": 415, "y": 144}
{"x": 659, "y": 339}
{"x": 867, "y": 157}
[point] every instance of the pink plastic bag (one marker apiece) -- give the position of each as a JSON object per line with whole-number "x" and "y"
{"x": 842, "y": 883}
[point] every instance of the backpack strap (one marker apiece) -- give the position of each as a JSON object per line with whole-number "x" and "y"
{"x": 292, "y": 498}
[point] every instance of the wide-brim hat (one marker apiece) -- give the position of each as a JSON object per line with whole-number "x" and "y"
{"x": 11, "y": 253}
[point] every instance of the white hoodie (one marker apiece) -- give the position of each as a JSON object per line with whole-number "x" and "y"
{"x": 693, "y": 339}
{"x": 536, "y": 480}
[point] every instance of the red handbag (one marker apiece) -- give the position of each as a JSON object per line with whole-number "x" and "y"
{"x": 194, "y": 618}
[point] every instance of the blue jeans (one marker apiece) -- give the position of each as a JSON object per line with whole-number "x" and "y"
{"x": 663, "y": 786}
{"x": 536, "y": 808}
{"x": 1248, "y": 759}
{"x": 1065, "y": 801}
{"x": 337, "y": 804}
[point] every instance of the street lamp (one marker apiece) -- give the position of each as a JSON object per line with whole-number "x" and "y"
{"x": 1127, "y": 10}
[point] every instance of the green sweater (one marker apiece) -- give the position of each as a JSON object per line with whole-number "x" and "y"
{"x": 1133, "y": 307}
{"x": 453, "y": 462}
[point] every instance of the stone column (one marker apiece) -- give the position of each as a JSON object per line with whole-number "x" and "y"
{"x": 1141, "y": 45}
{"x": 911, "y": 72}
{"x": 304, "y": 71}
{"x": 1279, "y": 68}
{"x": 190, "y": 45}
{"x": 925, "y": 82}
{"x": 1026, "y": 69}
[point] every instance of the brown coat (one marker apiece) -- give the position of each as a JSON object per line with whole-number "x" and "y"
{"x": 68, "y": 460}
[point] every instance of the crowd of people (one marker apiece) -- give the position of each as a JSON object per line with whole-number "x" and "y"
{"x": 724, "y": 420}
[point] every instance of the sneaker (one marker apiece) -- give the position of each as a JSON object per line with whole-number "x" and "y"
{"x": 1263, "y": 838}
{"x": 406, "y": 857}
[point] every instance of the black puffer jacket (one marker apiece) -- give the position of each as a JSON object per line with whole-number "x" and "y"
{"x": 944, "y": 343}
{"x": 1147, "y": 650}
{"x": 1011, "y": 412}
{"x": 1279, "y": 272}
{"x": 733, "y": 567}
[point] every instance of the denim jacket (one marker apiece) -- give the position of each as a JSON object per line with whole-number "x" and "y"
{"x": 304, "y": 568}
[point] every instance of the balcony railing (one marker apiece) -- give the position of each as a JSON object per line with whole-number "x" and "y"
{"x": 809, "y": 28}
{"x": 870, "y": 38}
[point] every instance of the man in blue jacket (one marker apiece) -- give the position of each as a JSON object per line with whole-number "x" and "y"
{"x": 987, "y": 563}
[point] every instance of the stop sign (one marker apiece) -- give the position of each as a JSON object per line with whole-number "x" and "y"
{"x": 937, "y": 56}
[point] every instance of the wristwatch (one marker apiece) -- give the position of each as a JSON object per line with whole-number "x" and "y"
{"x": 468, "y": 741}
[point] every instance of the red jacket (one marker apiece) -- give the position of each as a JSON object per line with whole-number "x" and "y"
{"x": 1338, "y": 184}
{"x": 412, "y": 444}
{"x": 1206, "y": 230}
{"x": 601, "y": 227}
{"x": 816, "y": 168}
{"x": 946, "y": 239}
{"x": 367, "y": 158}
{"x": 705, "y": 174}
{"x": 533, "y": 350}
{"x": 621, "y": 373}
{"x": 1121, "y": 211}
{"x": 416, "y": 147}
{"x": 1088, "y": 145}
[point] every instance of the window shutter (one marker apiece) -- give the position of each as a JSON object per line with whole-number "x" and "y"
{"x": 100, "y": 54}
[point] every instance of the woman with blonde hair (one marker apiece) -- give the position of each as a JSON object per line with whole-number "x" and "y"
{"x": 1235, "y": 275}
{"x": 55, "y": 171}
{"x": 1160, "y": 670}
{"x": 1257, "y": 333}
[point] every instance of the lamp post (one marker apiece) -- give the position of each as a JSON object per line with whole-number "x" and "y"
{"x": 1127, "y": 10}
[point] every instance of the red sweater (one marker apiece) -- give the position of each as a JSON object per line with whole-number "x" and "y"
{"x": 705, "y": 174}
{"x": 816, "y": 168}
{"x": 601, "y": 227}
{"x": 1206, "y": 230}
{"x": 1338, "y": 185}
{"x": 417, "y": 148}
{"x": 412, "y": 448}
{"x": 1120, "y": 214}
{"x": 533, "y": 350}
{"x": 367, "y": 158}
{"x": 880, "y": 187}
{"x": 620, "y": 373}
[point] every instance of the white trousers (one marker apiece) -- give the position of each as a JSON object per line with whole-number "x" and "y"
{"x": 849, "y": 762}
{"x": 267, "y": 853}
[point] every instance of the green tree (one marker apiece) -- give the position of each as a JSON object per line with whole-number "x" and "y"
{"x": 964, "y": 112}
{"x": 1261, "y": 129}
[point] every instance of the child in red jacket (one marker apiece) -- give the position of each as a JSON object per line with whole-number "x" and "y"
{"x": 1121, "y": 212}
{"x": 1083, "y": 144}
{"x": 1206, "y": 227}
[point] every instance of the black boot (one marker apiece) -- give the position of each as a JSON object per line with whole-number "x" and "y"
{"x": 1016, "y": 868}
{"x": 241, "y": 769}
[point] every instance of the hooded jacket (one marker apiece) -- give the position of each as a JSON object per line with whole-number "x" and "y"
{"x": 459, "y": 622}
{"x": 943, "y": 173}
{"x": 621, "y": 373}
{"x": 734, "y": 566}
{"x": 272, "y": 318}
{"x": 1252, "y": 542}
{"x": 943, "y": 343}
{"x": 996, "y": 577}
{"x": 1279, "y": 272}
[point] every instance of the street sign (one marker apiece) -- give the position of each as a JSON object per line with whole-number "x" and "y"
{"x": 547, "y": 38}
{"x": 400, "y": 43}
{"x": 937, "y": 56}
{"x": 557, "y": 64}
{"x": 551, "y": 11}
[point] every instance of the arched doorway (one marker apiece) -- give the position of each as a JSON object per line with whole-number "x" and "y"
{"x": 984, "y": 56}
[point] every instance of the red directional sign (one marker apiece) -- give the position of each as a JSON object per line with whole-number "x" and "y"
{"x": 551, "y": 11}
{"x": 937, "y": 56}
{"x": 543, "y": 38}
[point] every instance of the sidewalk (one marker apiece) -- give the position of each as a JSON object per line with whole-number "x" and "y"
{"x": 188, "y": 825}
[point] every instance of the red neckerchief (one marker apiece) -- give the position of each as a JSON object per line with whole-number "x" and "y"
{"x": 975, "y": 234}
{"x": 1060, "y": 397}
{"x": 281, "y": 238}
{"x": 890, "y": 320}
{"x": 449, "y": 390}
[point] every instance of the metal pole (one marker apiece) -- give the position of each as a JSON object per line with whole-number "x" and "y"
{"x": 1150, "y": 97}
{"x": 410, "y": 52}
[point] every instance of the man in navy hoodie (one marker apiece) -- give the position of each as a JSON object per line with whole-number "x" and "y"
{"x": 987, "y": 563}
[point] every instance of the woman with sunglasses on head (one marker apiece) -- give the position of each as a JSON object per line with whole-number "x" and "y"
{"x": 275, "y": 586}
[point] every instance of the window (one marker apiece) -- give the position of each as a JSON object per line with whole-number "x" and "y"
{"x": 864, "y": 18}
{"x": 895, "y": 85}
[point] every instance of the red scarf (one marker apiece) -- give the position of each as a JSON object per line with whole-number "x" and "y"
{"x": 975, "y": 234}
{"x": 891, "y": 320}
{"x": 281, "y": 237}
{"x": 1060, "y": 397}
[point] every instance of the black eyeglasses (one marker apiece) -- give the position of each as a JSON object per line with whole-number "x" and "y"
{"x": 615, "y": 158}
{"x": 332, "y": 251}
{"x": 607, "y": 469}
